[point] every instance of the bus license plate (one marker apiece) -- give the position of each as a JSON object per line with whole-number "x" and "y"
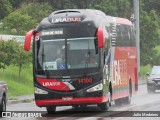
{"x": 67, "y": 98}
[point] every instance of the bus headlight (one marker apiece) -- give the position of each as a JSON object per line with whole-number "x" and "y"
{"x": 39, "y": 91}
{"x": 96, "y": 88}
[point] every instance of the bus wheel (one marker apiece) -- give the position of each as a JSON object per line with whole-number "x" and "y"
{"x": 109, "y": 98}
{"x": 104, "y": 106}
{"x": 51, "y": 109}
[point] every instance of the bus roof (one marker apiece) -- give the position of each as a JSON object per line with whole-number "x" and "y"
{"x": 97, "y": 17}
{"x": 123, "y": 21}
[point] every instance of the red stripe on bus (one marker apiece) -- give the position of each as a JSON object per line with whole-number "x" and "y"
{"x": 120, "y": 95}
{"x": 87, "y": 100}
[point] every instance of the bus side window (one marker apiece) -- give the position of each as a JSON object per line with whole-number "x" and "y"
{"x": 119, "y": 37}
{"x": 133, "y": 43}
{"x": 129, "y": 32}
{"x": 126, "y": 35}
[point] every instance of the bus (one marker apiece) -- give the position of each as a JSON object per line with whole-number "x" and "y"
{"x": 83, "y": 57}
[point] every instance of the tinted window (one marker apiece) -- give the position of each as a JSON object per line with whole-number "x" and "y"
{"x": 124, "y": 36}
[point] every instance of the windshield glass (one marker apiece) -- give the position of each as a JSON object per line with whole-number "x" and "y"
{"x": 50, "y": 53}
{"x": 61, "y": 52}
{"x": 80, "y": 54}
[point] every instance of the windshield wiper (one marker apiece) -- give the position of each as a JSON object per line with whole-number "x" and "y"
{"x": 96, "y": 45}
{"x": 43, "y": 61}
{"x": 87, "y": 61}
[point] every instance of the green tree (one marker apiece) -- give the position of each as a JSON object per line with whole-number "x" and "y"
{"x": 149, "y": 5}
{"x": 5, "y": 8}
{"x": 12, "y": 53}
{"x": 19, "y": 23}
{"x": 60, "y": 4}
{"x": 22, "y": 58}
{"x": 17, "y": 3}
{"x": 156, "y": 56}
{"x": 7, "y": 53}
{"x": 150, "y": 35}
{"x": 82, "y": 4}
{"x": 37, "y": 11}
{"x": 119, "y": 8}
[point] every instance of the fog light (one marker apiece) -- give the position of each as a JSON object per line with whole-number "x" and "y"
{"x": 96, "y": 88}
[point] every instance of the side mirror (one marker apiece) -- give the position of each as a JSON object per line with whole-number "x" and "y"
{"x": 28, "y": 39}
{"x": 100, "y": 37}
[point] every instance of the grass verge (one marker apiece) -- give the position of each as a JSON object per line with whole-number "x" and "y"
{"x": 22, "y": 85}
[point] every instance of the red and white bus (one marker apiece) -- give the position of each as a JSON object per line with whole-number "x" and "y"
{"x": 83, "y": 57}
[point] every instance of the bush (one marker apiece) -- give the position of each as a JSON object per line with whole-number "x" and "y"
{"x": 144, "y": 70}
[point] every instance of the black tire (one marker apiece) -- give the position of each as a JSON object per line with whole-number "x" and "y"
{"x": 3, "y": 105}
{"x": 51, "y": 109}
{"x": 104, "y": 106}
{"x": 109, "y": 99}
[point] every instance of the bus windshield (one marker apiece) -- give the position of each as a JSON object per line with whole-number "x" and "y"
{"x": 65, "y": 52}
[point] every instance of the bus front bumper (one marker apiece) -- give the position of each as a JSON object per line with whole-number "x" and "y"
{"x": 71, "y": 101}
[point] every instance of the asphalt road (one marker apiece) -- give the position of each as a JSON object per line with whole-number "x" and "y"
{"x": 143, "y": 104}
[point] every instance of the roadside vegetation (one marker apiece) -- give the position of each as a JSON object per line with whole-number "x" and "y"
{"x": 144, "y": 70}
{"x": 16, "y": 68}
{"x": 22, "y": 85}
